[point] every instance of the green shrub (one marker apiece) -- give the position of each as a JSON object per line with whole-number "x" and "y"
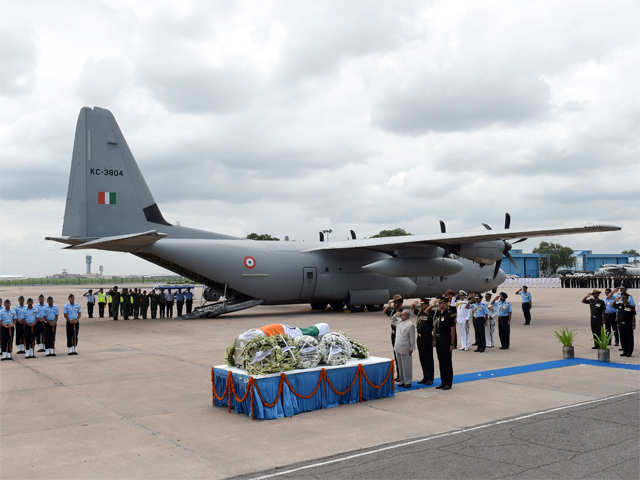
{"x": 565, "y": 336}
{"x": 603, "y": 340}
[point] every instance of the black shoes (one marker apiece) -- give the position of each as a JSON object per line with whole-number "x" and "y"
{"x": 594, "y": 347}
{"x": 446, "y": 387}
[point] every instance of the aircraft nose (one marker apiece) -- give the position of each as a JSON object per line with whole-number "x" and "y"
{"x": 501, "y": 277}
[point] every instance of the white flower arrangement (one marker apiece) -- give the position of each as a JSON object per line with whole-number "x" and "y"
{"x": 335, "y": 349}
{"x": 308, "y": 353}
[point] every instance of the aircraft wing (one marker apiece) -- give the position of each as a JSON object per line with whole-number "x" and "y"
{"x": 389, "y": 244}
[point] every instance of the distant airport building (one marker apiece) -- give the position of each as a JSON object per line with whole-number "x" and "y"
{"x": 587, "y": 261}
{"x": 529, "y": 264}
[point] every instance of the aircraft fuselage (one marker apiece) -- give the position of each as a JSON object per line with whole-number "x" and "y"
{"x": 283, "y": 272}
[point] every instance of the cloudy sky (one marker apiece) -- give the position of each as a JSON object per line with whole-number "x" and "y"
{"x": 292, "y": 117}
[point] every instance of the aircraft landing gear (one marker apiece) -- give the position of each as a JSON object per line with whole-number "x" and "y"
{"x": 375, "y": 308}
{"x": 320, "y": 307}
{"x": 337, "y": 306}
{"x": 356, "y": 308}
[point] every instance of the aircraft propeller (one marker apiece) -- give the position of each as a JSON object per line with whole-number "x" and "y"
{"x": 507, "y": 246}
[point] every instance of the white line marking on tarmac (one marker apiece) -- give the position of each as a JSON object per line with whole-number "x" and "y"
{"x": 440, "y": 435}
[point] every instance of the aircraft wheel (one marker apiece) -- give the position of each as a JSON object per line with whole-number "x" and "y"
{"x": 318, "y": 306}
{"x": 356, "y": 308}
{"x": 375, "y": 308}
{"x": 337, "y": 306}
{"x": 494, "y": 290}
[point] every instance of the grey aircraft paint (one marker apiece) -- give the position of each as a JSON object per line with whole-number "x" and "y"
{"x": 125, "y": 217}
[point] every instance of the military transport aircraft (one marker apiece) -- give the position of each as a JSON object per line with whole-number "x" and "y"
{"x": 110, "y": 207}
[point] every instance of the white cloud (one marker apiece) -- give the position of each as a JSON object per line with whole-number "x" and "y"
{"x": 288, "y": 118}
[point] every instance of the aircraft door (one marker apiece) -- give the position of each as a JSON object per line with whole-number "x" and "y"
{"x": 309, "y": 281}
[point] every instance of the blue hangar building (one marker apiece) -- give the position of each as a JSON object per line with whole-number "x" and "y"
{"x": 587, "y": 261}
{"x": 529, "y": 264}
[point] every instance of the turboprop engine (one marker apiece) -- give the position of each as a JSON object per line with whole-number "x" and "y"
{"x": 415, "y": 267}
{"x": 483, "y": 252}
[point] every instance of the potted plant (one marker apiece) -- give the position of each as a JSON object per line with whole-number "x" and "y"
{"x": 602, "y": 341}
{"x": 566, "y": 339}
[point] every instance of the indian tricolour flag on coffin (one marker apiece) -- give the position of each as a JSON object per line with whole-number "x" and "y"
{"x": 106, "y": 198}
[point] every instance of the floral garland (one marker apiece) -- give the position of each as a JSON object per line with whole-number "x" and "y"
{"x": 309, "y": 355}
{"x": 263, "y": 355}
{"x": 335, "y": 349}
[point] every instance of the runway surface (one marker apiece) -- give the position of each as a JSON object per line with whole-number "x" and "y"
{"x": 136, "y": 401}
{"x": 595, "y": 439}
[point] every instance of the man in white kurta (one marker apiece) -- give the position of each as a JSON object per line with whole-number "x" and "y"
{"x": 404, "y": 347}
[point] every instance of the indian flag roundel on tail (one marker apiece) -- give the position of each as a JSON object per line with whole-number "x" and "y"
{"x": 106, "y": 198}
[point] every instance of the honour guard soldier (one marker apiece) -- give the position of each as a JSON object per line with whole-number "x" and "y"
{"x": 30, "y": 322}
{"x": 72, "y": 313}
{"x": 526, "y": 303}
{"x": 162, "y": 303}
{"x": 627, "y": 322}
{"x": 424, "y": 328}
{"x": 102, "y": 301}
{"x": 597, "y": 307}
{"x": 168, "y": 297}
{"x": 19, "y": 325}
{"x": 126, "y": 303}
{"x": 179, "y": 302}
{"x": 504, "y": 319}
{"x": 610, "y": 313}
{"x": 91, "y": 301}
{"x": 135, "y": 302}
{"x": 40, "y": 324}
{"x": 480, "y": 320}
{"x": 188, "y": 297}
{"x": 404, "y": 346}
{"x": 51, "y": 313}
{"x": 115, "y": 302}
{"x": 144, "y": 304}
{"x": 390, "y": 310}
{"x": 7, "y": 324}
{"x": 443, "y": 334}
{"x": 153, "y": 300}
{"x": 110, "y": 302}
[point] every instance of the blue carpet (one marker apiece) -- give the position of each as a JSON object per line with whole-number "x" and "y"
{"x": 532, "y": 367}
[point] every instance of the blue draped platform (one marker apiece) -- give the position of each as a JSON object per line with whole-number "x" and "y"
{"x": 282, "y": 394}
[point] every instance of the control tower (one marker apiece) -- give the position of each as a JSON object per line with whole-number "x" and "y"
{"x": 88, "y": 260}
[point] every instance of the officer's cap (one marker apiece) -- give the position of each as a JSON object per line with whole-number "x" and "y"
{"x": 397, "y": 298}
{"x": 596, "y": 292}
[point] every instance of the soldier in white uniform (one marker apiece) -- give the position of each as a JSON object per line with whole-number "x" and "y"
{"x": 404, "y": 346}
{"x": 490, "y": 327}
{"x": 463, "y": 317}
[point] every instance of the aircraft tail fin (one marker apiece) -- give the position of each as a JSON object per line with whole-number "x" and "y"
{"x": 107, "y": 193}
